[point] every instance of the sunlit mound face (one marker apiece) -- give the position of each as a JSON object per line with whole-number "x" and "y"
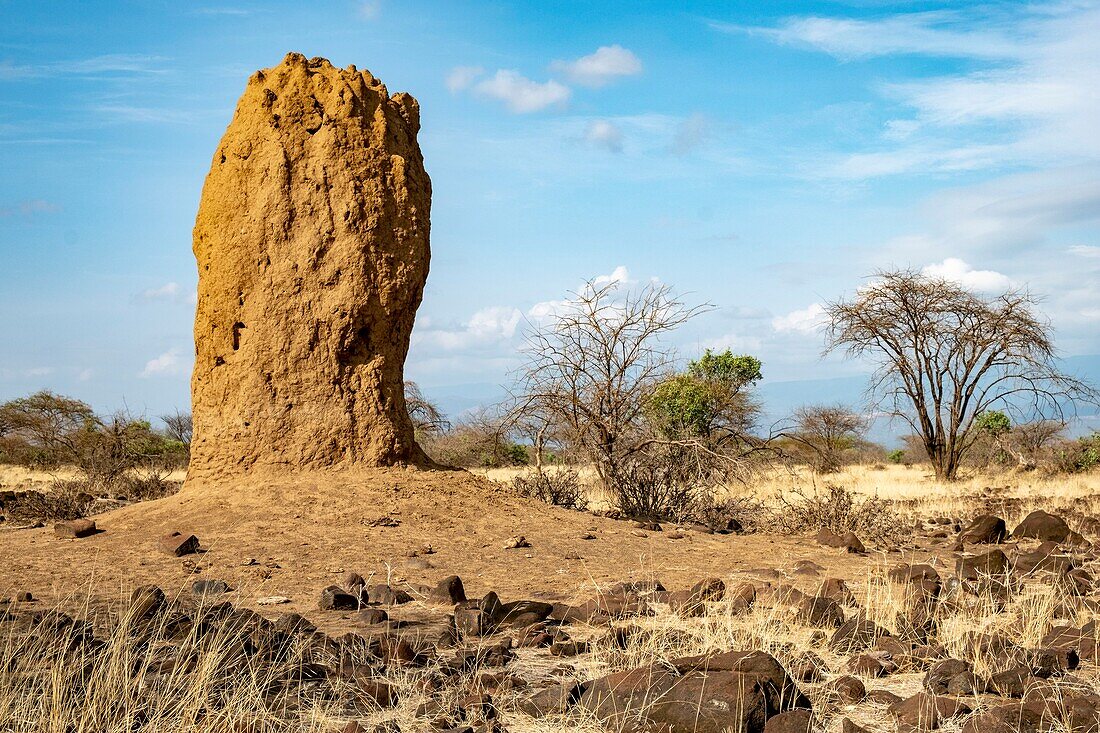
{"x": 312, "y": 247}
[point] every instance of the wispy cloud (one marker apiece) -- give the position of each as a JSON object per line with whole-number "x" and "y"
{"x": 929, "y": 33}
{"x": 1084, "y": 250}
{"x": 106, "y": 64}
{"x": 1025, "y": 96}
{"x": 29, "y": 207}
{"x": 601, "y": 67}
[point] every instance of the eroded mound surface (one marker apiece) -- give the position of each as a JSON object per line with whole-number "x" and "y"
{"x": 312, "y": 248}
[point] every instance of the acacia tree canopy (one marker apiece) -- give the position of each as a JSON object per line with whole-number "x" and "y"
{"x": 946, "y": 355}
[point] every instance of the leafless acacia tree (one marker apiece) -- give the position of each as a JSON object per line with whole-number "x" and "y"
{"x": 828, "y": 430}
{"x": 178, "y": 426}
{"x": 590, "y": 367}
{"x": 427, "y": 419}
{"x": 945, "y": 355}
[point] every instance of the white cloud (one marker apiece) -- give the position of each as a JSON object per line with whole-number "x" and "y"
{"x": 807, "y": 320}
{"x": 168, "y": 291}
{"x": 1027, "y": 96}
{"x": 84, "y": 375}
{"x": 605, "y": 134}
{"x": 597, "y": 69}
{"x": 956, "y": 270}
{"x": 461, "y": 77}
{"x": 520, "y": 94}
{"x": 1085, "y": 250}
{"x": 619, "y": 275}
{"x": 487, "y": 326}
{"x": 167, "y": 363}
{"x": 931, "y": 33}
{"x": 39, "y": 371}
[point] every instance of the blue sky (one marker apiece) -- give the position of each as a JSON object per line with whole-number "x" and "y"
{"x": 763, "y": 157}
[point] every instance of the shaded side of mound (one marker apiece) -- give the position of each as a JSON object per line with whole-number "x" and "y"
{"x": 311, "y": 242}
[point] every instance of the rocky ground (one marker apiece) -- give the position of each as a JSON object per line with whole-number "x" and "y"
{"x": 438, "y": 612}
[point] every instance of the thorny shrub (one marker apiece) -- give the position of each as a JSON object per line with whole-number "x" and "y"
{"x": 559, "y": 488}
{"x": 841, "y": 511}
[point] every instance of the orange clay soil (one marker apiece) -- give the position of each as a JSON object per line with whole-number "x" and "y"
{"x": 303, "y": 534}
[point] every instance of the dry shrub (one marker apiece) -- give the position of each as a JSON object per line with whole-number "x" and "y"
{"x": 64, "y": 500}
{"x": 657, "y": 488}
{"x": 153, "y": 485}
{"x": 559, "y": 488}
{"x": 730, "y": 514}
{"x": 839, "y": 510}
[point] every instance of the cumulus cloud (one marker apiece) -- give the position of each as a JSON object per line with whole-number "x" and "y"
{"x": 520, "y": 94}
{"x": 604, "y": 134}
{"x": 807, "y": 320}
{"x": 956, "y": 270}
{"x": 169, "y": 362}
{"x": 600, "y": 68}
{"x": 620, "y": 275}
{"x": 461, "y": 78}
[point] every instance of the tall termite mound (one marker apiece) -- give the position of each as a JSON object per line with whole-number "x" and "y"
{"x": 312, "y": 248}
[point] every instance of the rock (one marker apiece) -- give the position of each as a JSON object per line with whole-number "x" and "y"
{"x": 837, "y": 590}
{"x": 1044, "y": 526}
{"x": 741, "y": 597}
{"x": 847, "y": 541}
{"x": 333, "y": 598}
{"x": 178, "y": 544}
{"x": 847, "y": 689}
{"x": 692, "y": 602}
{"x": 923, "y": 580}
{"x": 984, "y": 530}
{"x": 386, "y": 595}
{"x": 708, "y": 694}
{"x": 792, "y": 721}
{"x": 353, "y": 583}
{"x": 821, "y": 612}
{"x": 552, "y": 700}
{"x": 1005, "y": 718}
{"x": 146, "y": 601}
{"x": 855, "y": 634}
{"x": 372, "y": 616}
{"x": 1012, "y": 682}
{"x": 870, "y": 665}
{"x": 993, "y": 564}
{"x": 448, "y": 591}
{"x": 311, "y": 241}
{"x": 207, "y": 588}
{"x": 24, "y": 596}
{"x": 941, "y": 672}
{"x": 516, "y": 543}
{"x": 75, "y": 528}
{"x": 927, "y": 711}
{"x": 272, "y": 601}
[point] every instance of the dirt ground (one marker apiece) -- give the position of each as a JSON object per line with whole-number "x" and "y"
{"x": 283, "y": 537}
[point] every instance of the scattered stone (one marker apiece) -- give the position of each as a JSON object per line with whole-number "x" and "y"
{"x": 516, "y": 543}
{"x": 75, "y": 528}
{"x": 927, "y": 711}
{"x": 334, "y": 598}
{"x": 372, "y": 616}
{"x": 984, "y": 530}
{"x": 448, "y": 591}
{"x": 847, "y": 689}
{"x": 1044, "y": 526}
{"x": 821, "y": 611}
{"x": 178, "y": 544}
{"x": 847, "y": 541}
{"x": 993, "y": 564}
{"x": 792, "y": 721}
{"x": 206, "y": 588}
{"x": 855, "y": 634}
{"x": 272, "y": 601}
